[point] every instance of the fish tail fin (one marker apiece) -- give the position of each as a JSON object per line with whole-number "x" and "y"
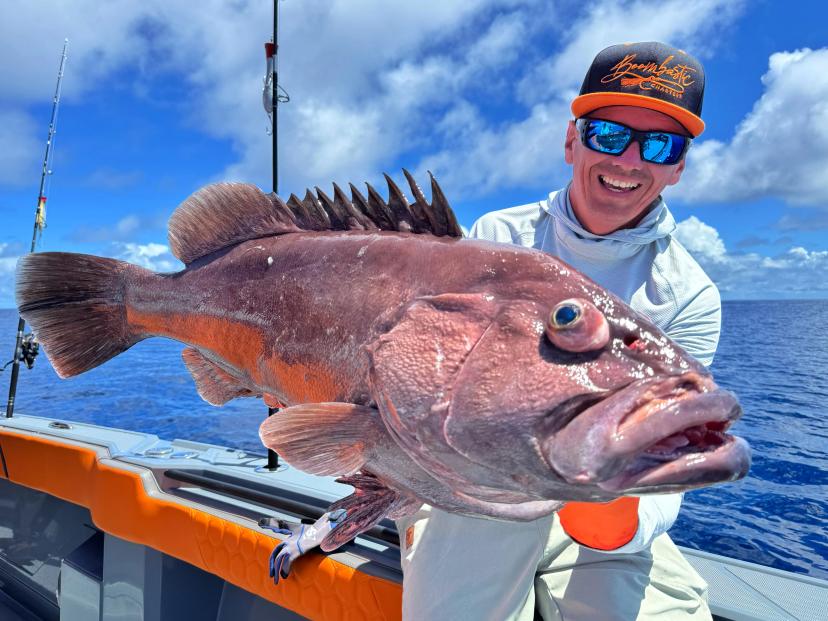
{"x": 75, "y": 305}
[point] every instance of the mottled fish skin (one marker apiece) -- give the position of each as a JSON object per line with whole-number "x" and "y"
{"x": 293, "y": 314}
{"x": 432, "y": 359}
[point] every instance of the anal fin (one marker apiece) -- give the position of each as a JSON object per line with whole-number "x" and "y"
{"x": 215, "y": 385}
{"x": 370, "y": 502}
{"x": 324, "y": 438}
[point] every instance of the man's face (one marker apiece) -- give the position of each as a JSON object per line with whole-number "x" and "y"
{"x": 600, "y": 205}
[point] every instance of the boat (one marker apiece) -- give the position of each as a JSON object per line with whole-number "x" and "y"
{"x": 100, "y": 523}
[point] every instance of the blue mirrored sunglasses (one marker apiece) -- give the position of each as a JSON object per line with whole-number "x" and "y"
{"x": 613, "y": 139}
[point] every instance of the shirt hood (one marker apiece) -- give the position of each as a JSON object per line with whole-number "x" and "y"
{"x": 657, "y": 224}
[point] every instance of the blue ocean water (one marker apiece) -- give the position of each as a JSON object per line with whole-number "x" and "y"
{"x": 773, "y": 355}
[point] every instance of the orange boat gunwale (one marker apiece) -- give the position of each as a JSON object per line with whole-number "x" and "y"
{"x": 125, "y": 500}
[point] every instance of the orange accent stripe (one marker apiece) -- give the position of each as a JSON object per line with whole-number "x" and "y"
{"x": 235, "y": 342}
{"x": 603, "y": 526}
{"x": 584, "y": 104}
{"x": 115, "y": 494}
{"x": 239, "y": 344}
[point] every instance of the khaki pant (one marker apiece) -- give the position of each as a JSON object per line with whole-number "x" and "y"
{"x": 458, "y": 568}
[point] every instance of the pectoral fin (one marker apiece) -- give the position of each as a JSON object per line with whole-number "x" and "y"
{"x": 324, "y": 438}
{"x": 215, "y": 385}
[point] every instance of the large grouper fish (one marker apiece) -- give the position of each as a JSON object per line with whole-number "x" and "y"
{"x": 484, "y": 379}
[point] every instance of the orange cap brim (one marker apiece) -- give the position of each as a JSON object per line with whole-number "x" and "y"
{"x": 584, "y": 104}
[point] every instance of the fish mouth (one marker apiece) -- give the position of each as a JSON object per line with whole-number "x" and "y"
{"x": 655, "y": 435}
{"x": 685, "y": 446}
{"x": 727, "y": 461}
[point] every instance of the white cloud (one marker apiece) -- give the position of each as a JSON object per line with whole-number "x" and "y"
{"x": 128, "y": 227}
{"x": 779, "y": 149}
{"x": 501, "y": 43}
{"x": 388, "y": 98}
{"x": 32, "y": 34}
{"x": 795, "y": 273}
{"x": 128, "y": 224}
{"x": 356, "y": 94}
{"x": 482, "y": 159}
{"x": 152, "y": 256}
{"x": 701, "y": 239}
{"x": 347, "y": 119}
{"x": 817, "y": 257}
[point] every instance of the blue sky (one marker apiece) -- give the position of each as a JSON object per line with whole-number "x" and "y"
{"x": 163, "y": 96}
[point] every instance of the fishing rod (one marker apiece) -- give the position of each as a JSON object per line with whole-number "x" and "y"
{"x": 274, "y": 94}
{"x": 272, "y": 97}
{"x": 26, "y": 347}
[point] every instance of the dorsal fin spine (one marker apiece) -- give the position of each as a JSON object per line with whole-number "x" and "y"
{"x": 435, "y": 217}
{"x": 315, "y": 207}
{"x": 359, "y": 216}
{"x": 339, "y": 219}
{"x": 379, "y": 216}
{"x": 439, "y": 202}
{"x": 402, "y": 219}
{"x": 399, "y": 204}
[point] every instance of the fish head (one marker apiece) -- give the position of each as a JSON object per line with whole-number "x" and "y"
{"x": 583, "y": 398}
{"x": 554, "y": 388}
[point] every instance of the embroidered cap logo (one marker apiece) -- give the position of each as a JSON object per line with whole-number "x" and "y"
{"x": 664, "y": 77}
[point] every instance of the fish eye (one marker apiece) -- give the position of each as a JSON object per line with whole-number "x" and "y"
{"x": 565, "y": 315}
{"x": 577, "y": 325}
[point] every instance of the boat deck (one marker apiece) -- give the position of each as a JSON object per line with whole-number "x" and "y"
{"x": 741, "y": 591}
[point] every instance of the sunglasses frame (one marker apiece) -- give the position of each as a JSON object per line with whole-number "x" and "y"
{"x": 639, "y": 136}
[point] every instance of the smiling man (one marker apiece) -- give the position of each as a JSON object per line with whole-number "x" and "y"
{"x": 637, "y": 112}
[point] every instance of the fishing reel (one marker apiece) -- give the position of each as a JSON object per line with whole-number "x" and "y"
{"x": 29, "y": 349}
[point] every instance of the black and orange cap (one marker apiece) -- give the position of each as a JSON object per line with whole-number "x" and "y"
{"x": 647, "y": 75}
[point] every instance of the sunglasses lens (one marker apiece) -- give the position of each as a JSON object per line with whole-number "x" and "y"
{"x": 613, "y": 139}
{"x": 606, "y": 137}
{"x": 663, "y": 148}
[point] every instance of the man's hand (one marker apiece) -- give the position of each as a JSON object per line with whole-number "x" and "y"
{"x": 301, "y": 538}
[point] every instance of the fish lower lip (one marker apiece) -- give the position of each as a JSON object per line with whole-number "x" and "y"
{"x": 727, "y": 461}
